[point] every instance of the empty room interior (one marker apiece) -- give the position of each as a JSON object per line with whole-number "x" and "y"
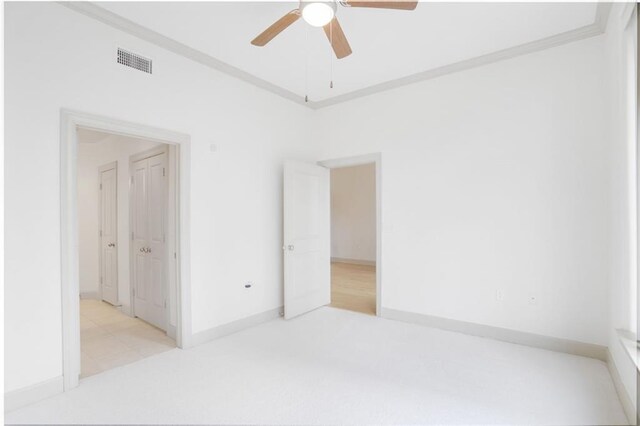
{"x": 321, "y": 212}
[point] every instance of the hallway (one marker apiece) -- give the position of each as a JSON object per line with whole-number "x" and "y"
{"x": 353, "y": 287}
{"x": 109, "y": 338}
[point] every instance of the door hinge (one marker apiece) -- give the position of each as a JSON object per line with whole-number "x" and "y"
{"x": 131, "y": 180}
{"x": 175, "y": 256}
{"x": 100, "y": 186}
{"x": 134, "y": 292}
{"x": 101, "y": 232}
{"x": 131, "y": 235}
{"x": 100, "y": 280}
{"x": 163, "y": 171}
{"x": 165, "y": 304}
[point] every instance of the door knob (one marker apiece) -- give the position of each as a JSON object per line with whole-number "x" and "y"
{"x": 112, "y": 245}
{"x": 290, "y": 247}
{"x": 142, "y": 250}
{"x": 148, "y": 249}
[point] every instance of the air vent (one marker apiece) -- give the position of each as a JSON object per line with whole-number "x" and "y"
{"x": 133, "y": 60}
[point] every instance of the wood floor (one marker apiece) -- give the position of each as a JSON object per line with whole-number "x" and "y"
{"x": 353, "y": 287}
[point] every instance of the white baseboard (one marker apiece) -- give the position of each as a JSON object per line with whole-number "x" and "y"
{"x": 171, "y": 331}
{"x": 353, "y": 261}
{"x": 34, "y": 393}
{"x": 623, "y": 395}
{"x": 90, "y": 295}
{"x": 504, "y": 334}
{"x": 233, "y": 327}
{"x": 125, "y": 309}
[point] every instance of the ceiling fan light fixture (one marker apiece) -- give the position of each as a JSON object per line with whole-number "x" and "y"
{"x": 318, "y": 13}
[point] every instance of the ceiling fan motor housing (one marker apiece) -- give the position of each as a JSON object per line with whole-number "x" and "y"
{"x": 318, "y": 13}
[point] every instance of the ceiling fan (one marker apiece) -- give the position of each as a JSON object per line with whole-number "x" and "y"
{"x": 322, "y": 13}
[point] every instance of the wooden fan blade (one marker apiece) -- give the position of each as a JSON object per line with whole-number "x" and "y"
{"x": 398, "y": 4}
{"x": 338, "y": 40}
{"x": 280, "y": 25}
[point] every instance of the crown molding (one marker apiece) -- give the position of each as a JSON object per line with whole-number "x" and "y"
{"x": 116, "y": 21}
{"x": 602, "y": 15}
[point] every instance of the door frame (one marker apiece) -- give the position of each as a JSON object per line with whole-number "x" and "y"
{"x": 169, "y": 229}
{"x": 106, "y": 167}
{"x": 359, "y": 160}
{"x": 70, "y": 122}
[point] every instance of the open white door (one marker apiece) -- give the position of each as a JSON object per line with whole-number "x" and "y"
{"x": 307, "y": 230}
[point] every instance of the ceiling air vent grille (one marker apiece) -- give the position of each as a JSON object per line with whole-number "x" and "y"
{"x": 133, "y": 60}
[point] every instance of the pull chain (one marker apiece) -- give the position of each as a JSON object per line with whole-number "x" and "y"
{"x": 331, "y": 55}
{"x": 306, "y": 65}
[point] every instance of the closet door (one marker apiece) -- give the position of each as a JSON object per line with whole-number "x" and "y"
{"x": 156, "y": 217}
{"x": 108, "y": 234}
{"x": 148, "y": 202}
{"x": 139, "y": 236}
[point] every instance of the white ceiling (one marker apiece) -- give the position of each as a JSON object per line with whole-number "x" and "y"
{"x": 91, "y": 136}
{"x": 387, "y": 44}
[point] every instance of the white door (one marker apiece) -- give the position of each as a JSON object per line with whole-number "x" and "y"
{"x": 108, "y": 234}
{"x": 148, "y": 204}
{"x": 307, "y": 230}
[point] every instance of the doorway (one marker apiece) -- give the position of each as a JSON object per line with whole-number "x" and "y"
{"x": 130, "y": 318}
{"x": 353, "y": 238}
{"x": 307, "y": 238}
{"x": 104, "y": 318}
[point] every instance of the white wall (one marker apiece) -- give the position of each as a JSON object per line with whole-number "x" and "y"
{"x": 353, "y": 213}
{"x": 621, "y": 201}
{"x": 495, "y": 178}
{"x": 91, "y": 156}
{"x": 56, "y": 58}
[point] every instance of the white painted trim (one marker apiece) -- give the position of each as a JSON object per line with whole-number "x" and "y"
{"x": 116, "y": 21}
{"x": 353, "y": 261}
{"x": 623, "y": 395}
{"x": 109, "y": 166}
{"x": 556, "y": 344}
{"x": 127, "y": 311}
{"x": 602, "y": 15}
{"x": 359, "y": 160}
{"x": 626, "y": 13}
{"x": 31, "y": 394}
{"x": 70, "y": 121}
{"x": 90, "y": 295}
{"x": 235, "y": 326}
{"x": 151, "y": 152}
{"x": 490, "y": 58}
{"x": 629, "y": 343}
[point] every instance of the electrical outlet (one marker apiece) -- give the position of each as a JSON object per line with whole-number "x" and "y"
{"x": 499, "y": 295}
